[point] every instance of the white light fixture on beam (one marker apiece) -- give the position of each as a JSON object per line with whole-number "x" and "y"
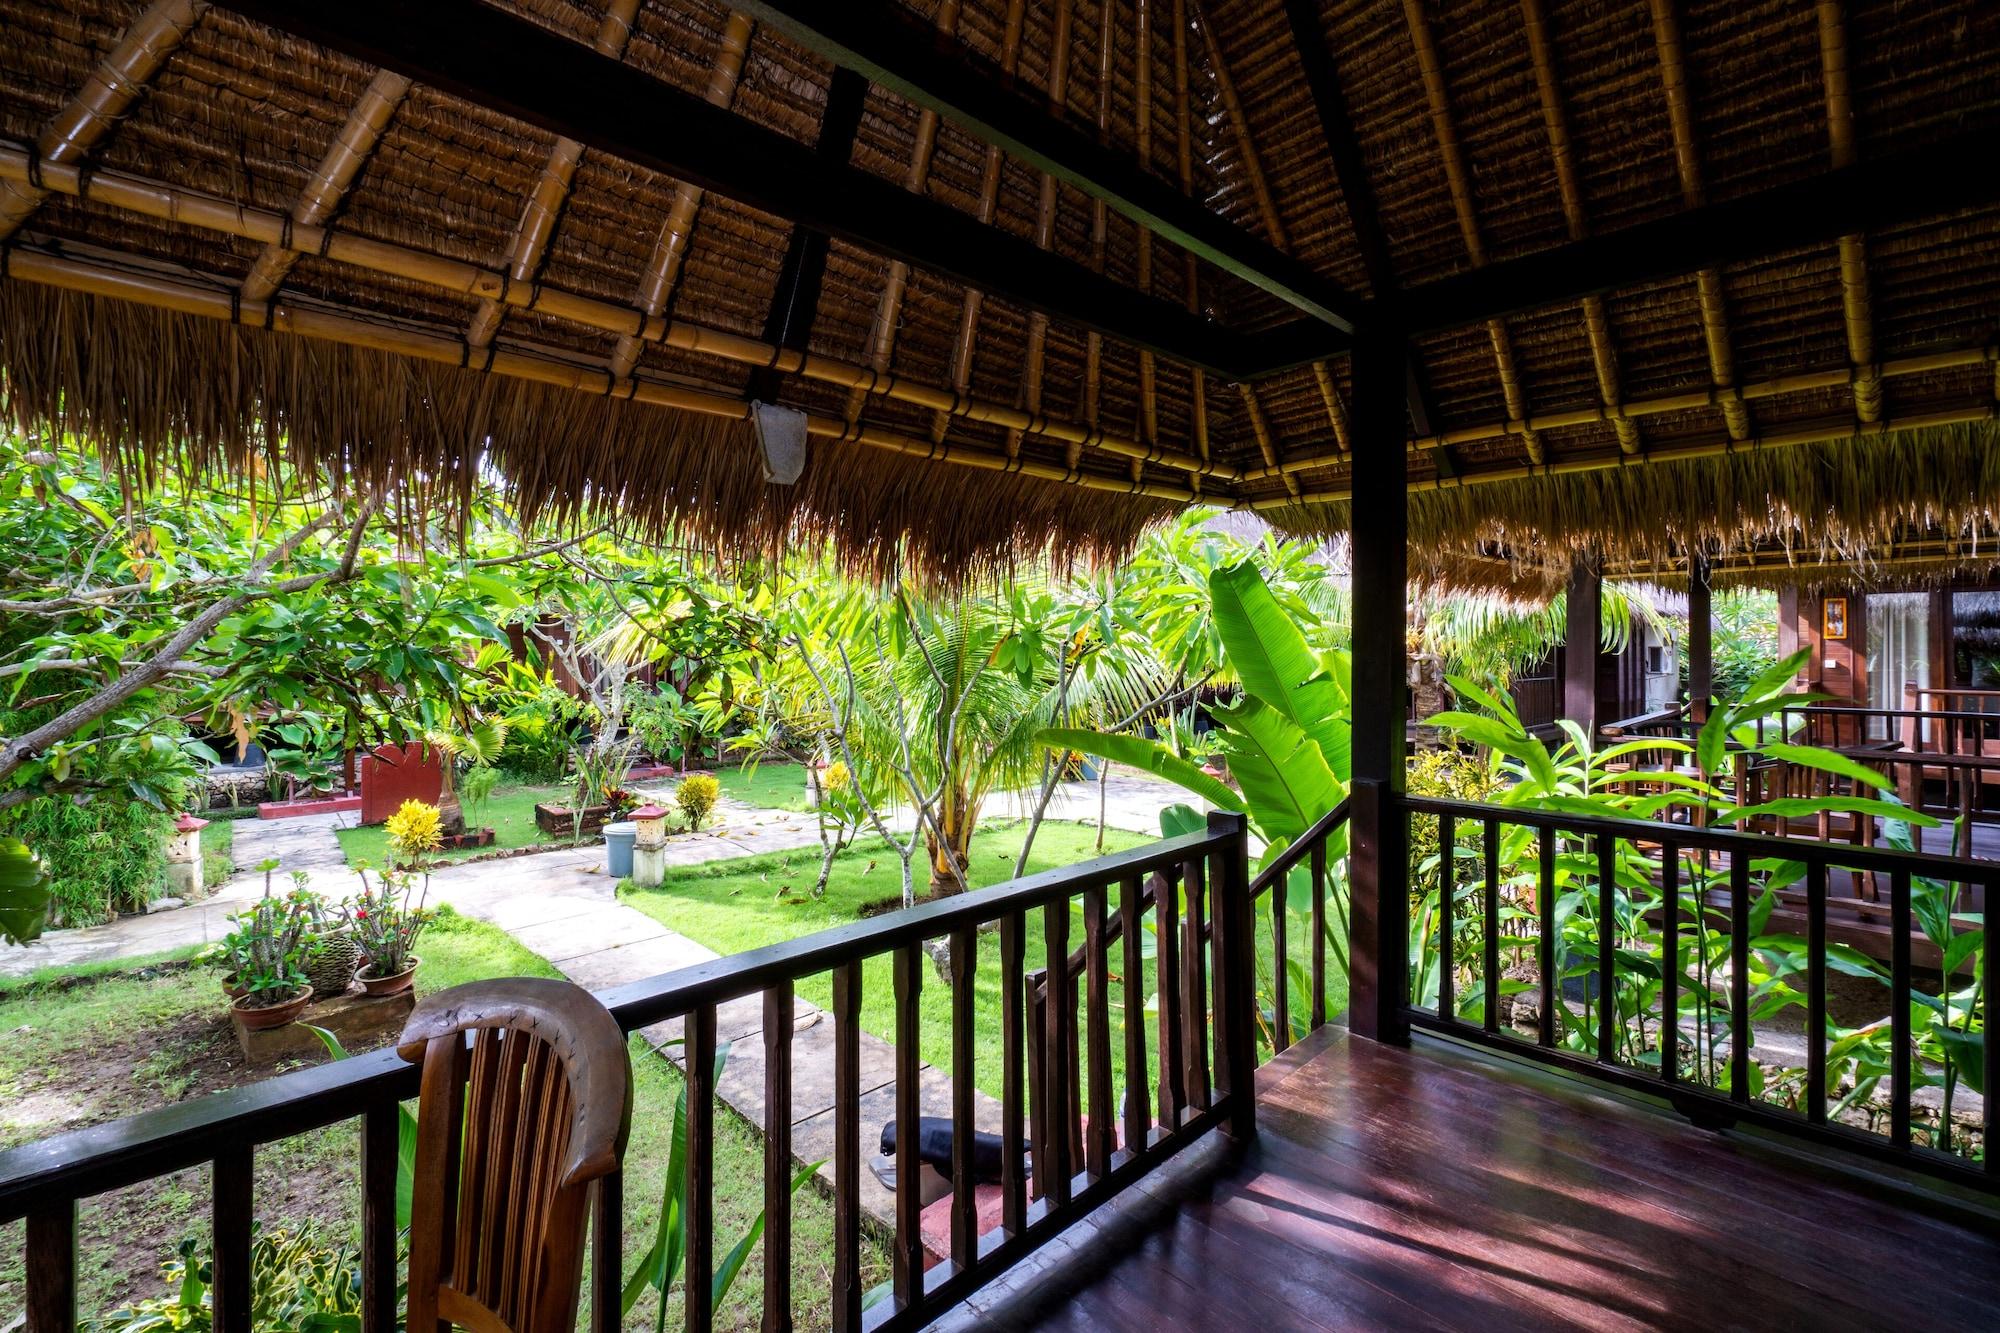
{"x": 781, "y": 441}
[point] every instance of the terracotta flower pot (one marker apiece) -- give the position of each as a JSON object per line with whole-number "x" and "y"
{"x": 271, "y": 1015}
{"x": 394, "y": 985}
{"x": 231, "y": 987}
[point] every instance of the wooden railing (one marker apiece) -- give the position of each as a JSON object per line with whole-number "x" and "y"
{"x": 43, "y": 1182}
{"x": 1181, "y": 938}
{"x": 1588, "y": 850}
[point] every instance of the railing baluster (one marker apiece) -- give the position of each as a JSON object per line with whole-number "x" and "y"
{"x": 696, "y": 1293}
{"x": 1073, "y": 1073}
{"x": 1281, "y": 980}
{"x": 1670, "y": 962}
{"x": 847, "y": 1148}
{"x": 1100, "y": 1139}
{"x": 1057, "y": 1127}
{"x": 1038, "y": 1084}
{"x": 1167, "y": 981}
{"x": 1235, "y": 973}
{"x": 1899, "y": 1007}
{"x": 380, "y": 1130}
{"x": 909, "y": 1248}
{"x": 51, "y": 1262}
{"x": 1319, "y": 889}
{"x": 1194, "y": 973}
{"x": 231, "y": 1215}
{"x": 1013, "y": 1181}
{"x": 1447, "y": 1006}
{"x": 1816, "y": 992}
{"x": 1990, "y": 983}
{"x": 1607, "y": 948}
{"x": 1138, "y": 1118}
{"x": 607, "y": 1245}
{"x": 1739, "y": 976}
{"x": 777, "y": 1158}
{"x": 1545, "y": 945}
{"x": 1490, "y": 911}
{"x": 964, "y": 1200}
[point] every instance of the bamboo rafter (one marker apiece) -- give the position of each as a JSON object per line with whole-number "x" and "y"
{"x": 1925, "y": 363}
{"x": 117, "y": 81}
{"x": 1184, "y": 169}
{"x": 1431, "y": 71}
{"x": 545, "y": 201}
{"x": 152, "y": 198}
{"x": 1855, "y": 305}
{"x": 663, "y": 266}
{"x": 1093, "y": 344}
{"x": 208, "y": 298}
{"x": 332, "y": 178}
{"x": 1687, "y": 164}
{"x": 1596, "y": 322}
{"x": 1045, "y": 226}
{"x": 989, "y": 198}
{"x": 1824, "y": 434}
{"x": 889, "y": 308}
{"x": 1142, "y": 111}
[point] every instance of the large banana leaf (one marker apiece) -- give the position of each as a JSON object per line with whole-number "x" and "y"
{"x": 1271, "y": 658}
{"x": 24, "y": 892}
{"x": 1286, "y": 781}
{"x": 1141, "y": 753}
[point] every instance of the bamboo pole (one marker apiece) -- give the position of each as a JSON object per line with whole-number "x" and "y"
{"x": 1184, "y": 167}
{"x": 117, "y": 81}
{"x": 1045, "y": 223}
{"x": 156, "y": 199}
{"x": 1142, "y": 113}
{"x": 1658, "y": 454}
{"x": 1596, "y": 322}
{"x": 545, "y": 202}
{"x": 1431, "y": 72}
{"x": 663, "y": 266}
{"x": 1687, "y": 165}
{"x": 889, "y": 308}
{"x": 1329, "y": 394}
{"x": 1855, "y": 304}
{"x": 1100, "y": 221}
{"x": 331, "y": 180}
{"x": 989, "y": 197}
{"x": 1923, "y": 364}
{"x": 209, "y": 299}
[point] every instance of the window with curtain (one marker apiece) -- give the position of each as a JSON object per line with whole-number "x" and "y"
{"x": 1899, "y": 644}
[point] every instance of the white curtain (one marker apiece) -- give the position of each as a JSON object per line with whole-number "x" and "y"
{"x": 1899, "y": 644}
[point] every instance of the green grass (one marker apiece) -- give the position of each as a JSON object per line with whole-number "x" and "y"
{"x": 510, "y": 813}
{"x": 218, "y": 843}
{"x": 742, "y": 904}
{"x": 81, "y": 1054}
{"x": 770, "y": 786}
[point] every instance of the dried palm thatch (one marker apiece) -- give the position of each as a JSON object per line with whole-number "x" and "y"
{"x": 220, "y": 239}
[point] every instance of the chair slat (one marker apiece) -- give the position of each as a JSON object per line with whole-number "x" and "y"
{"x": 778, "y": 1158}
{"x": 1100, "y": 1139}
{"x": 908, "y": 1256}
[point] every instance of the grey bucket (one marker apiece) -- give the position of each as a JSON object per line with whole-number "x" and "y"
{"x": 618, "y": 840}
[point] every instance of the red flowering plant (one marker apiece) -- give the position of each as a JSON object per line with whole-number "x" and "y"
{"x": 385, "y": 922}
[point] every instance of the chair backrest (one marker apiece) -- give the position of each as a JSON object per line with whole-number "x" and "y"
{"x": 513, "y": 1126}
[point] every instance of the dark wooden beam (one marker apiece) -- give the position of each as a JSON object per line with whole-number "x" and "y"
{"x": 795, "y": 301}
{"x": 1912, "y": 185}
{"x": 897, "y": 48}
{"x": 1582, "y": 635}
{"x": 1378, "y": 924}
{"x": 524, "y": 71}
{"x": 1701, "y": 641}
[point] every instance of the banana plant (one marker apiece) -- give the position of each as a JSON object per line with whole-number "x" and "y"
{"x": 24, "y": 892}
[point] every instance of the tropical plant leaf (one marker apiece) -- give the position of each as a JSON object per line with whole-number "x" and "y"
{"x": 1141, "y": 753}
{"x": 1286, "y": 782}
{"x": 24, "y": 892}
{"x": 1271, "y": 658}
{"x": 1827, "y": 761}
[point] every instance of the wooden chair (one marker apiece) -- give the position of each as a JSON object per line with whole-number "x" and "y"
{"x": 513, "y": 1128}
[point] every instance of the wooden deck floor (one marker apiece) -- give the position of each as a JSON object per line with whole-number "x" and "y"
{"x": 1440, "y": 1188}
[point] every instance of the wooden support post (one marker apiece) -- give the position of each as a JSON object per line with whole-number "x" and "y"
{"x": 1581, "y": 639}
{"x": 1235, "y": 972}
{"x": 1701, "y": 642}
{"x": 1378, "y": 918}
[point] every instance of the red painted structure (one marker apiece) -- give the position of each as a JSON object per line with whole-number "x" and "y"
{"x": 393, "y": 774}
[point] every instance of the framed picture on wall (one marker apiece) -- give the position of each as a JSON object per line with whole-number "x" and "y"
{"x": 1833, "y": 618}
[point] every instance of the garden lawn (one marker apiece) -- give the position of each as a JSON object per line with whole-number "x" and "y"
{"x": 769, "y": 786}
{"x": 88, "y": 1046}
{"x": 735, "y": 905}
{"x": 510, "y": 813}
{"x": 218, "y": 860}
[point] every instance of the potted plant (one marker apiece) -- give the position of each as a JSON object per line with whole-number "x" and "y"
{"x": 268, "y": 952}
{"x": 385, "y": 926}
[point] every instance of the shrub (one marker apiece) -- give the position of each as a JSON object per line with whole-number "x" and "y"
{"x": 697, "y": 796}
{"x": 536, "y": 751}
{"x": 475, "y": 789}
{"x": 297, "y": 1282}
{"x": 106, "y": 854}
{"x": 415, "y": 828}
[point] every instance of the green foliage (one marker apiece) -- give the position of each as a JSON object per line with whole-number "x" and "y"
{"x": 475, "y": 789}
{"x": 269, "y": 944}
{"x": 1745, "y": 639}
{"x": 299, "y": 1283}
{"x": 696, "y": 796}
{"x": 103, "y": 855}
{"x": 24, "y": 892}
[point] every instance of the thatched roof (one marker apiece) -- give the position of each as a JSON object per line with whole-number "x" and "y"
{"x": 220, "y": 236}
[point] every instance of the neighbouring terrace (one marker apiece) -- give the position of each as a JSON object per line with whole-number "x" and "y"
{"x": 1124, "y": 663}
